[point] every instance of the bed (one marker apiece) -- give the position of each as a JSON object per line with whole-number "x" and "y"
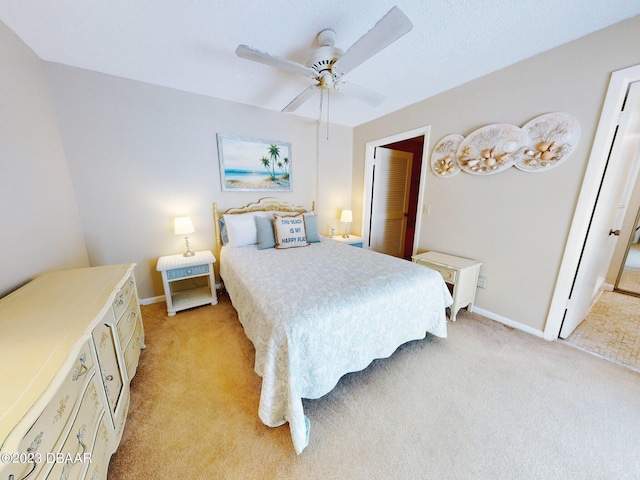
{"x": 318, "y": 310}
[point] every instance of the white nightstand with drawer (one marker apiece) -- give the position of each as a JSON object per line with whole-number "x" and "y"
{"x": 177, "y": 268}
{"x": 460, "y": 272}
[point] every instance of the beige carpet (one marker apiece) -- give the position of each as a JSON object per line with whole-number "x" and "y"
{"x": 488, "y": 402}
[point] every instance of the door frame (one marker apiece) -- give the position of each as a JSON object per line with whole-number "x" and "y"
{"x": 370, "y": 148}
{"x": 587, "y": 201}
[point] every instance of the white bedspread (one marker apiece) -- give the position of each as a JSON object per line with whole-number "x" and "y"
{"x": 315, "y": 313}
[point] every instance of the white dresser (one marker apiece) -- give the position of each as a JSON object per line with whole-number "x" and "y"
{"x": 69, "y": 345}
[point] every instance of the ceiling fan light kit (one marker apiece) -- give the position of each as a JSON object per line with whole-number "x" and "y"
{"x": 328, "y": 64}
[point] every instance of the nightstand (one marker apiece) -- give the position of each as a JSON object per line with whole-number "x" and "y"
{"x": 460, "y": 272}
{"x": 176, "y": 269}
{"x": 350, "y": 240}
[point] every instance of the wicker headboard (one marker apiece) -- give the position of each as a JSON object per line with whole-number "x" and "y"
{"x": 267, "y": 204}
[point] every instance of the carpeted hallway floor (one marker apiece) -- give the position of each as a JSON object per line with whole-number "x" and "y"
{"x": 488, "y": 402}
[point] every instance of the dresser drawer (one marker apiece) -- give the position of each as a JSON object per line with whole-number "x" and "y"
{"x": 121, "y": 417}
{"x": 448, "y": 274}
{"x": 101, "y": 453}
{"x": 122, "y": 297}
{"x": 187, "y": 271}
{"x": 103, "y": 337}
{"x": 127, "y": 322}
{"x": 73, "y": 457}
{"x": 132, "y": 350}
{"x": 45, "y": 432}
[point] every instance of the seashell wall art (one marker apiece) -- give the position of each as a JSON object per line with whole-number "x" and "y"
{"x": 541, "y": 144}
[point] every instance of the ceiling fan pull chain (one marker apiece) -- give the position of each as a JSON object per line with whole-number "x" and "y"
{"x": 318, "y": 131}
{"x": 319, "y": 118}
{"x": 328, "y": 96}
{"x": 320, "y": 112}
{"x": 318, "y": 150}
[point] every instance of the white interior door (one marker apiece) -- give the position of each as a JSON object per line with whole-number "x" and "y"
{"x": 390, "y": 201}
{"x": 600, "y": 241}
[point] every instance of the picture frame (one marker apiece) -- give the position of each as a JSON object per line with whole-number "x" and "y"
{"x": 254, "y": 164}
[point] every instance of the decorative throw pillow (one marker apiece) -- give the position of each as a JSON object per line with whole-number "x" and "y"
{"x": 266, "y": 237}
{"x": 311, "y": 225}
{"x": 241, "y": 229}
{"x": 223, "y": 231}
{"x": 290, "y": 231}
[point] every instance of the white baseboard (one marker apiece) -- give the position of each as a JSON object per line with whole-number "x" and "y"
{"x": 151, "y": 300}
{"x": 507, "y": 321}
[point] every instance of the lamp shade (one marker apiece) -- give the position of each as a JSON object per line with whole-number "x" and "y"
{"x": 183, "y": 226}
{"x": 346, "y": 216}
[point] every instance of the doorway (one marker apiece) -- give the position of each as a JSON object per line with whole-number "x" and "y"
{"x": 592, "y": 239}
{"x": 390, "y": 200}
{"x": 626, "y": 264}
{"x": 610, "y": 327}
{"x": 414, "y": 143}
{"x": 628, "y": 280}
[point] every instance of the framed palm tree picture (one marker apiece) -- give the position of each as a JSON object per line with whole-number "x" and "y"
{"x": 252, "y": 164}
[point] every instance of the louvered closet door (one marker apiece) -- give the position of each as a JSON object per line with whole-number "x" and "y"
{"x": 390, "y": 204}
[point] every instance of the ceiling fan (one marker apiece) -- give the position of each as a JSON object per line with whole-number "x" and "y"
{"x": 328, "y": 64}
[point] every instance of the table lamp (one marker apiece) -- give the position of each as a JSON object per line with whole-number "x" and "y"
{"x": 346, "y": 218}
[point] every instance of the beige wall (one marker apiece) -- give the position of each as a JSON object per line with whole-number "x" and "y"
{"x": 41, "y": 228}
{"x": 516, "y": 223}
{"x": 140, "y": 155}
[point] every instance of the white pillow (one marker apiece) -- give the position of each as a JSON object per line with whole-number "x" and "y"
{"x": 290, "y": 231}
{"x": 241, "y": 228}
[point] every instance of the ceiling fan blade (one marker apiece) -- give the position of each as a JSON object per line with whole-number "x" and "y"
{"x": 388, "y": 29}
{"x": 300, "y": 99}
{"x": 364, "y": 94}
{"x": 250, "y": 53}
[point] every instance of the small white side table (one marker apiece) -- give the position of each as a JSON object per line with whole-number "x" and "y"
{"x": 179, "y": 267}
{"x": 460, "y": 272}
{"x": 351, "y": 240}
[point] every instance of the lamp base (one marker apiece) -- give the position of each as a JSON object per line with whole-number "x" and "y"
{"x": 345, "y": 229}
{"x": 188, "y": 253}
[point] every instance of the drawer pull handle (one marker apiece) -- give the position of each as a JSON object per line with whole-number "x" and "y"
{"x": 69, "y": 464}
{"x": 119, "y": 301}
{"x": 83, "y": 368}
{"x": 80, "y": 437}
{"x": 32, "y": 448}
{"x": 109, "y": 378}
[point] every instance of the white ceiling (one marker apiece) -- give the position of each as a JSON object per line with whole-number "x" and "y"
{"x": 190, "y": 44}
